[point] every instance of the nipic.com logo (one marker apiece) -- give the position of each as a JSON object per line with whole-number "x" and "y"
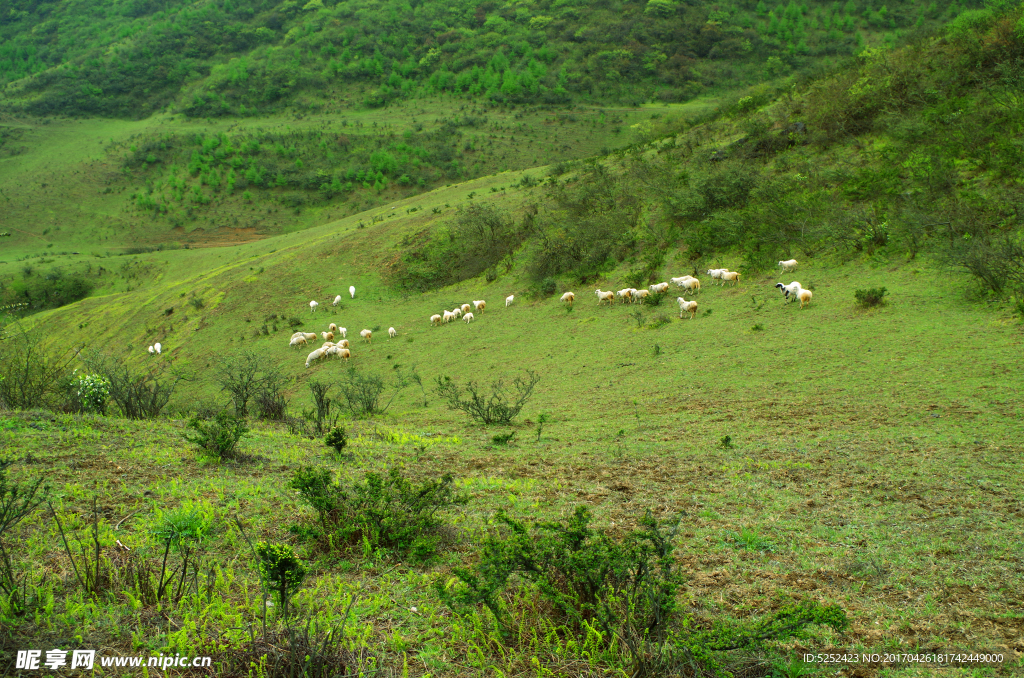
{"x": 53, "y": 660}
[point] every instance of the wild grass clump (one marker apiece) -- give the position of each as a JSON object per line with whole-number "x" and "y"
{"x": 869, "y": 298}
{"x": 385, "y": 511}
{"x": 218, "y": 437}
{"x": 17, "y": 500}
{"x": 500, "y": 406}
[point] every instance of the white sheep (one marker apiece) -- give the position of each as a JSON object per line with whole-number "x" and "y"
{"x": 152, "y": 350}
{"x": 310, "y": 336}
{"x": 312, "y": 306}
{"x": 717, "y": 272}
{"x": 342, "y": 344}
{"x": 731, "y": 276}
{"x": 788, "y": 265}
{"x": 157, "y": 347}
{"x": 479, "y": 304}
{"x": 435, "y": 319}
{"x": 691, "y": 284}
{"x": 352, "y": 291}
{"x": 339, "y": 352}
{"x": 608, "y": 296}
{"x": 568, "y": 298}
{"x": 468, "y": 318}
{"x": 678, "y": 282}
{"x": 804, "y": 296}
{"x": 367, "y": 335}
{"x": 508, "y": 300}
{"x": 332, "y": 328}
{"x": 316, "y": 355}
{"x": 392, "y": 333}
{"x": 457, "y": 312}
{"x": 641, "y": 294}
{"x": 327, "y": 336}
{"x": 298, "y": 340}
{"x": 686, "y": 307}
{"x": 624, "y": 294}
{"x": 787, "y": 290}
{"x": 344, "y": 332}
{"x": 448, "y": 317}
{"x": 466, "y": 308}
{"x": 337, "y": 300}
{"x": 659, "y": 287}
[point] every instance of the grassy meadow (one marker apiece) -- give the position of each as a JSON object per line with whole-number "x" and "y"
{"x": 869, "y": 458}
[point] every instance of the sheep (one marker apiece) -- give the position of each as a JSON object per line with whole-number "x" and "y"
{"x": 692, "y": 284}
{"x": 327, "y": 336}
{"x": 342, "y": 344}
{"x": 608, "y": 296}
{"x": 468, "y": 318}
{"x": 632, "y": 294}
{"x": 339, "y": 352}
{"x": 480, "y": 305}
{"x": 568, "y": 298}
{"x": 787, "y": 290}
{"x": 352, "y": 291}
{"x": 805, "y": 296}
{"x": 316, "y": 355}
{"x": 731, "y": 276}
{"x": 157, "y": 347}
{"x": 659, "y": 288}
{"x": 312, "y": 306}
{"x": 296, "y": 341}
{"x": 435, "y": 319}
{"x": 310, "y": 336}
{"x": 392, "y": 333}
{"x": 332, "y": 328}
{"x": 678, "y": 282}
{"x": 717, "y": 272}
{"x": 788, "y": 265}
{"x": 448, "y": 316}
{"x": 344, "y": 332}
{"x": 457, "y": 312}
{"x": 152, "y": 350}
{"x": 508, "y": 300}
{"x": 624, "y": 295}
{"x": 686, "y": 307}
{"x": 466, "y": 308}
{"x": 367, "y": 335}
{"x": 641, "y": 294}
{"x": 337, "y": 300}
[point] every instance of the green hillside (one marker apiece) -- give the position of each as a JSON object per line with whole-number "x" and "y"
{"x": 764, "y": 481}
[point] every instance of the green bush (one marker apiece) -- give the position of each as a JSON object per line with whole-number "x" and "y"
{"x": 548, "y": 286}
{"x": 500, "y": 406}
{"x": 281, "y": 571}
{"x": 874, "y": 296}
{"x": 385, "y": 511}
{"x": 364, "y": 393}
{"x": 217, "y": 437}
{"x": 337, "y": 439}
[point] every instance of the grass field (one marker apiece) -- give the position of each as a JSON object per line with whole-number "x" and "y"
{"x": 870, "y": 458}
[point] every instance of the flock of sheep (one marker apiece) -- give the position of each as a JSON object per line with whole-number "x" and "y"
{"x": 341, "y": 348}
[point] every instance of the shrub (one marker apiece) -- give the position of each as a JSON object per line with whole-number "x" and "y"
{"x": 16, "y": 502}
{"x": 503, "y": 438}
{"x": 271, "y": 405}
{"x": 281, "y": 571}
{"x": 138, "y": 396}
{"x": 337, "y": 439}
{"x": 217, "y": 437}
{"x": 363, "y": 393}
{"x": 548, "y": 286}
{"x": 91, "y": 392}
{"x": 386, "y": 511}
{"x": 33, "y": 373}
{"x": 501, "y": 406}
{"x": 305, "y": 651}
{"x": 321, "y": 416}
{"x": 874, "y": 296}
{"x": 247, "y": 375}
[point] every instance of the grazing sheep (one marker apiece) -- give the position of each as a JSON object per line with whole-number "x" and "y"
{"x": 568, "y": 298}
{"x": 788, "y": 290}
{"x": 479, "y": 304}
{"x": 466, "y": 308}
{"x": 608, "y": 296}
{"x": 327, "y": 336}
{"x": 310, "y": 336}
{"x": 659, "y": 287}
{"x": 328, "y": 344}
{"x": 731, "y": 276}
{"x": 316, "y": 355}
{"x": 804, "y": 296}
{"x": 447, "y": 318}
{"x": 788, "y": 265}
{"x": 157, "y": 347}
{"x": 343, "y": 343}
{"x": 508, "y": 300}
{"x": 342, "y": 353}
{"x": 691, "y": 284}
{"x": 392, "y": 333}
{"x": 344, "y": 332}
{"x": 435, "y": 319}
{"x": 367, "y": 335}
{"x": 298, "y": 340}
{"x": 641, "y": 294}
{"x": 337, "y": 300}
{"x": 468, "y": 318}
{"x": 457, "y": 312}
{"x": 686, "y": 307}
{"x": 717, "y": 272}
{"x": 152, "y": 350}
{"x": 332, "y": 328}
{"x": 352, "y": 291}
{"x": 312, "y": 306}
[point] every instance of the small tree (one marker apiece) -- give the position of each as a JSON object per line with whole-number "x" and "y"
{"x": 501, "y": 406}
{"x": 245, "y": 377}
{"x": 363, "y": 393}
{"x": 16, "y": 502}
{"x": 138, "y": 395}
{"x": 321, "y": 414}
{"x": 281, "y": 570}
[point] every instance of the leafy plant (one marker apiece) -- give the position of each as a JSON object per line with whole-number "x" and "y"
{"x": 385, "y": 511}
{"x": 92, "y": 392}
{"x": 16, "y": 502}
{"x": 363, "y": 393}
{"x": 726, "y": 442}
{"x": 541, "y": 420}
{"x": 337, "y": 439}
{"x": 35, "y": 372}
{"x": 138, "y": 395}
{"x": 500, "y": 406}
{"x": 503, "y": 438}
{"x": 281, "y": 570}
{"x": 321, "y": 416}
{"x": 245, "y": 377}
{"x": 874, "y": 296}
{"x": 217, "y": 437}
